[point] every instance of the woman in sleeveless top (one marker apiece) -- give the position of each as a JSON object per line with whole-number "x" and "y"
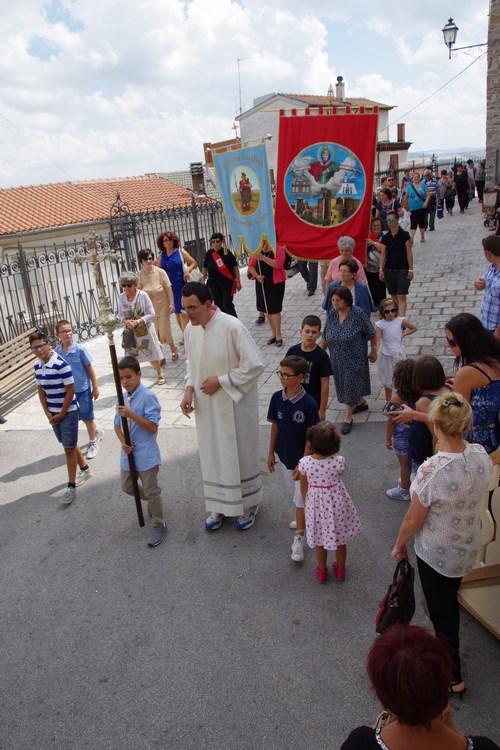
{"x": 477, "y": 354}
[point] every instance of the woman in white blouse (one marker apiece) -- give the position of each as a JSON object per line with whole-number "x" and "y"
{"x": 444, "y": 517}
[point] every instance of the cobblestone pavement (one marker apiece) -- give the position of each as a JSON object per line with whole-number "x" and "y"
{"x": 445, "y": 268}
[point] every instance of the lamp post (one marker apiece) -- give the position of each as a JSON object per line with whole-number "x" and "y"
{"x": 450, "y": 30}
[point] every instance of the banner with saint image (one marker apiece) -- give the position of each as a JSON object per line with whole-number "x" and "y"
{"x": 245, "y": 188}
{"x": 325, "y": 181}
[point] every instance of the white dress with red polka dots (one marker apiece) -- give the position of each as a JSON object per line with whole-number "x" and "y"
{"x": 331, "y": 518}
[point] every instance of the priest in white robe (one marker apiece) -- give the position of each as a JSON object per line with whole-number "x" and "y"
{"x": 223, "y": 368}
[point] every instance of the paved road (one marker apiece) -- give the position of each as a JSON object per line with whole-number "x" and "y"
{"x": 215, "y": 641}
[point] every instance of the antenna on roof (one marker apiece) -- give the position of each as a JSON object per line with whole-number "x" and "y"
{"x": 240, "y": 59}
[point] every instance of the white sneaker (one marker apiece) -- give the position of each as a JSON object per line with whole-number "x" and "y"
{"x": 68, "y": 496}
{"x": 93, "y": 449}
{"x": 83, "y": 475}
{"x": 293, "y": 525}
{"x": 298, "y": 548}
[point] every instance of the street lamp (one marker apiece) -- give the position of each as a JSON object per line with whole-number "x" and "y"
{"x": 450, "y": 36}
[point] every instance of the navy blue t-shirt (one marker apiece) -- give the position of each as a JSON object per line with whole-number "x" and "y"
{"x": 293, "y": 416}
{"x": 319, "y": 366}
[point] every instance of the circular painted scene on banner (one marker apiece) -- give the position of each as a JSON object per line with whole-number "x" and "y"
{"x": 325, "y": 184}
{"x": 245, "y": 190}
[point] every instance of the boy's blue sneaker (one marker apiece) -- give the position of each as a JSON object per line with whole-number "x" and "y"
{"x": 157, "y": 535}
{"x": 214, "y": 521}
{"x": 248, "y": 518}
{"x": 398, "y": 493}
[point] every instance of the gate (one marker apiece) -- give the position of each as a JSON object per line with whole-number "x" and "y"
{"x": 39, "y": 285}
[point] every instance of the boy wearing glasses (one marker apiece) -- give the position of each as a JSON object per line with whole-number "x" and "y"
{"x": 86, "y": 388}
{"x": 291, "y": 411}
{"x": 56, "y": 392}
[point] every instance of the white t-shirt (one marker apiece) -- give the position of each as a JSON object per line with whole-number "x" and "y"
{"x": 392, "y": 335}
{"x": 451, "y": 486}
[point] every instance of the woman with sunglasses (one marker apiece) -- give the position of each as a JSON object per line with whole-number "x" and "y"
{"x": 396, "y": 261}
{"x": 172, "y": 259}
{"x": 223, "y": 274}
{"x": 155, "y": 282}
{"x": 445, "y": 518}
{"x": 477, "y": 354}
{"x": 136, "y": 312}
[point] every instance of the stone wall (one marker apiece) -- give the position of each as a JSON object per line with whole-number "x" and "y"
{"x": 493, "y": 97}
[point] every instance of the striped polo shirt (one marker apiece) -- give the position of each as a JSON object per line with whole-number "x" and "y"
{"x": 53, "y": 376}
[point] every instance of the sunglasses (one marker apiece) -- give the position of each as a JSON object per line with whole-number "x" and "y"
{"x": 451, "y": 342}
{"x": 389, "y": 310}
{"x": 150, "y": 257}
{"x": 167, "y": 239}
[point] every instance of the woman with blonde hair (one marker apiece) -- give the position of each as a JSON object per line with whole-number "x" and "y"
{"x": 444, "y": 518}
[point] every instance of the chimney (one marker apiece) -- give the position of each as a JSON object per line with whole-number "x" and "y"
{"x": 401, "y": 132}
{"x": 340, "y": 89}
{"x": 198, "y": 178}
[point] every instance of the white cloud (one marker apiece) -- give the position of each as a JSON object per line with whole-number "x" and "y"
{"x": 120, "y": 89}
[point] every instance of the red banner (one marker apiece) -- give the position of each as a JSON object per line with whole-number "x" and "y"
{"x": 325, "y": 181}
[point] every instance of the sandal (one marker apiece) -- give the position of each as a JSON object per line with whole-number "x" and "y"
{"x": 175, "y": 355}
{"x": 271, "y": 341}
{"x": 161, "y": 381}
{"x": 279, "y": 342}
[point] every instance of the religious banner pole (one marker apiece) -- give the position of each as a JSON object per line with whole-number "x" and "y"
{"x": 107, "y": 321}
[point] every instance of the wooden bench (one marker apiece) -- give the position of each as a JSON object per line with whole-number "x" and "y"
{"x": 16, "y": 369}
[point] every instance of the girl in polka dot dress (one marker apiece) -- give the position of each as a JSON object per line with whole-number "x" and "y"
{"x": 331, "y": 518}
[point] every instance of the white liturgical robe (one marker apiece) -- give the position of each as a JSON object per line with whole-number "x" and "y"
{"x": 227, "y": 423}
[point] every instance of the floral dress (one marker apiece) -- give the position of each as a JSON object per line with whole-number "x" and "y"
{"x": 331, "y": 518}
{"x": 347, "y": 343}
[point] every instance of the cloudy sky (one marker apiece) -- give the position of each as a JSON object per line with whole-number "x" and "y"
{"x": 101, "y": 88}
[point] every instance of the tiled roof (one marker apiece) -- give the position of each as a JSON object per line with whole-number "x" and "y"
{"x": 33, "y": 207}
{"x": 312, "y": 100}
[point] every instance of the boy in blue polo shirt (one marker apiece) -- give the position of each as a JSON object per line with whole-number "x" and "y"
{"x": 143, "y": 412}
{"x": 86, "y": 388}
{"x": 291, "y": 411}
{"x": 56, "y": 392}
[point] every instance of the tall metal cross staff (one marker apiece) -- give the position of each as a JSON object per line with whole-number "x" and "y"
{"x": 107, "y": 321}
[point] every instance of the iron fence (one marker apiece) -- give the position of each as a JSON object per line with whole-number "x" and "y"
{"x": 40, "y": 285}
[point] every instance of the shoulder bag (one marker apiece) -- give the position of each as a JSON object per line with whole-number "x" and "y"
{"x": 398, "y": 605}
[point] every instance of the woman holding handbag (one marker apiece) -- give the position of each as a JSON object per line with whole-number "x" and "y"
{"x": 444, "y": 517}
{"x": 136, "y": 312}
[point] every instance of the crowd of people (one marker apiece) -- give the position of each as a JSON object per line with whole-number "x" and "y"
{"x": 441, "y": 431}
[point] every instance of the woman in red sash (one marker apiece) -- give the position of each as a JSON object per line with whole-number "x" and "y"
{"x": 223, "y": 274}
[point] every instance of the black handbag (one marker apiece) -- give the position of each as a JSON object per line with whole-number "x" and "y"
{"x": 398, "y": 605}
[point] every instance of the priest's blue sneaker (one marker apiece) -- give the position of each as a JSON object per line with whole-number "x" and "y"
{"x": 214, "y": 521}
{"x": 248, "y": 518}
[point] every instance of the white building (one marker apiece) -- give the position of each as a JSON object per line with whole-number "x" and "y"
{"x": 263, "y": 120}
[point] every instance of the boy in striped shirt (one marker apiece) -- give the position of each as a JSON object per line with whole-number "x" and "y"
{"x": 56, "y": 392}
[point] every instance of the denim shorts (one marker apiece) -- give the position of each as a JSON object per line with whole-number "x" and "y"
{"x": 67, "y": 429}
{"x": 85, "y": 404}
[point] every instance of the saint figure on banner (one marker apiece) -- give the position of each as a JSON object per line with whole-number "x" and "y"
{"x": 324, "y": 174}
